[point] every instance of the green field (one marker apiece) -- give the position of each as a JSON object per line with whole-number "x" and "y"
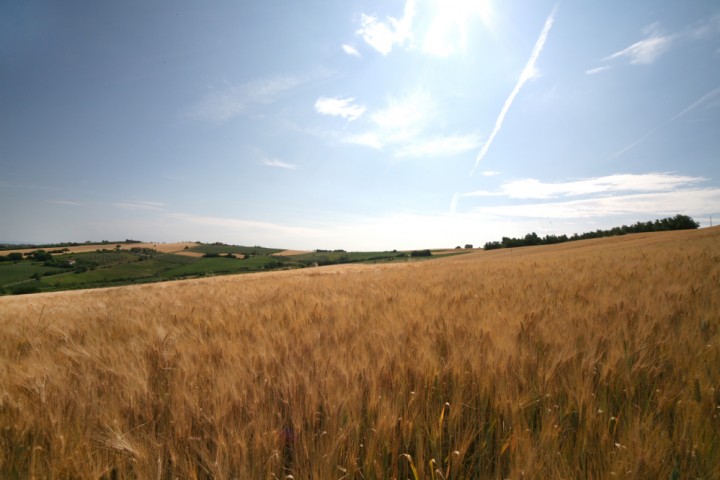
{"x": 205, "y": 248}
{"x": 218, "y": 265}
{"x": 124, "y": 272}
{"x": 105, "y": 267}
{"x": 327, "y": 258}
{"x": 11, "y": 272}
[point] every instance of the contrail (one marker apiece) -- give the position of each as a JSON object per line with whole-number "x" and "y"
{"x": 650, "y": 132}
{"x": 526, "y": 75}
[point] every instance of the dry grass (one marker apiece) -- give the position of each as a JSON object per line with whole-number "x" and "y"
{"x": 596, "y": 359}
{"x": 188, "y": 253}
{"x": 290, "y": 253}
{"x": 454, "y": 250}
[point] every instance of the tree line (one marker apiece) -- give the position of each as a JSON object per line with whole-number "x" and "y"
{"x": 678, "y": 222}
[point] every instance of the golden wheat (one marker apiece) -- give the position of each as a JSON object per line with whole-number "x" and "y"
{"x": 590, "y": 359}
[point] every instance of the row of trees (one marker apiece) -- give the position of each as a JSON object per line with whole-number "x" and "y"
{"x": 678, "y": 222}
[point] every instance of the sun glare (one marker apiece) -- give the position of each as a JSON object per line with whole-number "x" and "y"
{"x": 449, "y": 24}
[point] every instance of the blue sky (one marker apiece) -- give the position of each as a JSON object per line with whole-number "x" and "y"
{"x": 356, "y": 124}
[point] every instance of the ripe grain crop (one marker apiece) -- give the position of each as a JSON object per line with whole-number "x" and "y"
{"x": 593, "y": 359}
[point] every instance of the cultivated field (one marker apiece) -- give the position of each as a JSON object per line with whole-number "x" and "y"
{"x": 177, "y": 247}
{"x": 593, "y": 359}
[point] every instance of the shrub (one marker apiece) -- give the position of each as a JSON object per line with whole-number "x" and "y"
{"x": 25, "y": 289}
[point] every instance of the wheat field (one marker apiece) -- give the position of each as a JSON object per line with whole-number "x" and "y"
{"x": 594, "y": 359}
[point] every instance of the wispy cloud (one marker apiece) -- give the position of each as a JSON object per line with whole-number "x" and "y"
{"x": 686, "y": 201}
{"x": 350, "y": 50}
{"x": 655, "y": 44}
{"x": 489, "y": 173}
{"x": 437, "y": 146}
{"x": 133, "y": 205}
{"x": 406, "y": 116}
{"x": 403, "y": 125}
{"x": 367, "y": 139}
{"x": 67, "y": 202}
{"x": 704, "y": 29}
{"x": 339, "y": 107}
{"x": 528, "y": 72}
{"x": 227, "y": 103}
{"x": 383, "y": 36}
{"x": 645, "y": 51}
{"x": 595, "y": 71}
{"x": 531, "y": 188}
{"x": 274, "y": 162}
{"x": 649, "y": 194}
{"x": 708, "y": 98}
{"x": 248, "y": 228}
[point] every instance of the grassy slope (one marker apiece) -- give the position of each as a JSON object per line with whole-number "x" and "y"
{"x": 587, "y": 360}
{"x": 234, "y": 249}
{"x": 220, "y": 265}
{"x": 11, "y": 273}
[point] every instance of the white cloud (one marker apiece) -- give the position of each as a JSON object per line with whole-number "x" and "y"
{"x": 406, "y": 116}
{"x": 655, "y": 44}
{"x": 647, "y": 195}
{"x": 685, "y": 201}
{"x": 489, "y": 173}
{"x": 595, "y": 71}
{"x": 274, "y": 162}
{"x": 454, "y": 201}
{"x": 133, "y": 205}
{"x": 528, "y": 72}
{"x": 66, "y": 202}
{"x": 531, "y": 188}
{"x": 403, "y": 125}
{"x": 245, "y": 228}
{"x": 382, "y": 36}
{"x": 225, "y": 104}
{"x": 339, "y": 107}
{"x": 645, "y": 51}
{"x": 269, "y": 161}
{"x": 438, "y": 146}
{"x": 367, "y": 139}
{"x": 350, "y": 50}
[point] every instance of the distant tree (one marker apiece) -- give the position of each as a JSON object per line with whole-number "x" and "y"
{"x": 683, "y": 222}
{"x": 41, "y": 255}
{"x": 532, "y": 239}
{"x": 678, "y": 222}
{"x": 12, "y": 257}
{"x": 492, "y": 245}
{"x": 421, "y": 253}
{"x": 25, "y": 288}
